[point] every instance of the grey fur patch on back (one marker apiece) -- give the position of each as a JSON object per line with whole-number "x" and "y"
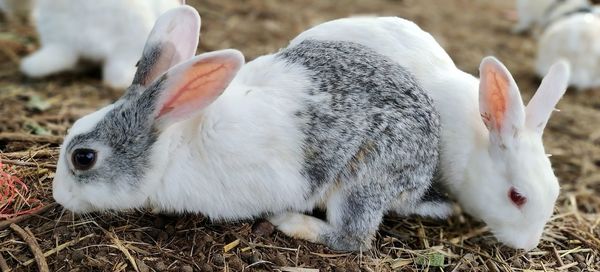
{"x": 360, "y": 98}
{"x": 370, "y": 131}
{"x": 128, "y": 130}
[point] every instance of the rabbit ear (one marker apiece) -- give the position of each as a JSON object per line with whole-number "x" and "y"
{"x": 173, "y": 39}
{"x": 551, "y": 89}
{"x": 500, "y": 102}
{"x": 191, "y": 86}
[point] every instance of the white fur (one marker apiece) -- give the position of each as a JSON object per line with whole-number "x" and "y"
{"x": 199, "y": 149}
{"x": 109, "y": 32}
{"x": 479, "y": 177}
{"x": 575, "y": 39}
{"x": 540, "y": 13}
{"x": 236, "y": 123}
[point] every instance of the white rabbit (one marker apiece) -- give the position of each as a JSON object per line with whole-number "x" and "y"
{"x": 570, "y": 30}
{"x": 318, "y": 124}
{"x": 492, "y": 155}
{"x": 540, "y": 13}
{"x": 16, "y": 10}
{"x": 576, "y": 39}
{"x": 109, "y": 32}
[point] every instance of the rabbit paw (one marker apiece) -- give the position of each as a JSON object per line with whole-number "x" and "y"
{"x": 299, "y": 226}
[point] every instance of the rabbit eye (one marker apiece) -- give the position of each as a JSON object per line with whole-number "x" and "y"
{"x": 517, "y": 198}
{"x": 83, "y": 159}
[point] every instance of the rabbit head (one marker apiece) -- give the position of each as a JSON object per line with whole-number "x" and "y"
{"x": 509, "y": 182}
{"x": 114, "y": 158}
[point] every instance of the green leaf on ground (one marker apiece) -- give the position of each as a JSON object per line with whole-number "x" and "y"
{"x": 37, "y": 103}
{"x": 36, "y": 129}
{"x": 432, "y": 259}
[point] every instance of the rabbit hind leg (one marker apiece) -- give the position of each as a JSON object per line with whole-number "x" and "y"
{"x": 353, "y": 217}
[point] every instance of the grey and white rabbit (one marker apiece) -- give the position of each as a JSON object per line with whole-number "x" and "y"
{"x": 492, "y": 155}
{"x": 318, "y": 124}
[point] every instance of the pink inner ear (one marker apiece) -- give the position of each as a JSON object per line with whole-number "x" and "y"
{"x": 496, "y": 86}
{"x": 201, "y": 84}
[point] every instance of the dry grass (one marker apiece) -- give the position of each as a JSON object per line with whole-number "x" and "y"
{"x": 468, "y": 29}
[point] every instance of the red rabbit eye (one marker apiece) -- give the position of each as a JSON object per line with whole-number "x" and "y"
{"x": 516, "y": 197}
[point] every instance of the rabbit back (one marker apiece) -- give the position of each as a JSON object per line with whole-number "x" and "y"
{"x": 364, "y": 115}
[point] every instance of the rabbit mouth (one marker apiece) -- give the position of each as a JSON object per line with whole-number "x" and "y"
{"x": 519, "y": 239}
{"x": 77, "y": 206}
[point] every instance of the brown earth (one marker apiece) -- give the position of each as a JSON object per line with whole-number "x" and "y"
{"x": 468, "y": 29}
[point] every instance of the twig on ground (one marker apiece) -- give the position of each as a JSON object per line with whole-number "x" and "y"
{"x": 179, "y": 258}
{"x": 584, "y": 241}
{"x": 113, "y": 237}
{"x": 29, "y": 154}
{"x": 29, "y": 164}
{"x": 4, "y": 224}
{"x": 574, "y": 250}
{"x": 33, "y": 245}
{"x": 458, "y": 264}
{"x": 258, "y": 263}
{"x": 323, "y": 255}
{"x": 393, "y": 233}
{"x": 61, "y": 247}
{"x": 297, "y": 269}
{"x": 422, "y": 236}
{"x": 272, "y": 247}
{"x": 469, "y": 235}
{"x": 3, "y": 265}
{"x": 567, "y": 266}
{"x": 22, "y": 137}
{"x": 557, "y": 256}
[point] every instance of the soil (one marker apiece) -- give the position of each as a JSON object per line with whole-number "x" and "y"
{"x": 142, "y": 241}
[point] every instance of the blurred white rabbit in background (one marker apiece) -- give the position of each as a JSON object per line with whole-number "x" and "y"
{"x": 109, "y": 32}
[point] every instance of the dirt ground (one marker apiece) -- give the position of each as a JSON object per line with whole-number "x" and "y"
{"x": 138, "y": 241}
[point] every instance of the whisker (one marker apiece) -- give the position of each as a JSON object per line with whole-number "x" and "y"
{"x": 62, "y": 213}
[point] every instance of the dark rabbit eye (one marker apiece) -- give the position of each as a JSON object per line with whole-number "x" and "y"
{"x": 517, "y": 198}
{"x": 83, "y": 158}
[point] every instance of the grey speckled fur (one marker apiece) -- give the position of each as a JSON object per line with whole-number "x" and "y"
{"x": 129, "y": 132}
{"x": 371, "y": 129}
{"x": 128, "y": 129}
